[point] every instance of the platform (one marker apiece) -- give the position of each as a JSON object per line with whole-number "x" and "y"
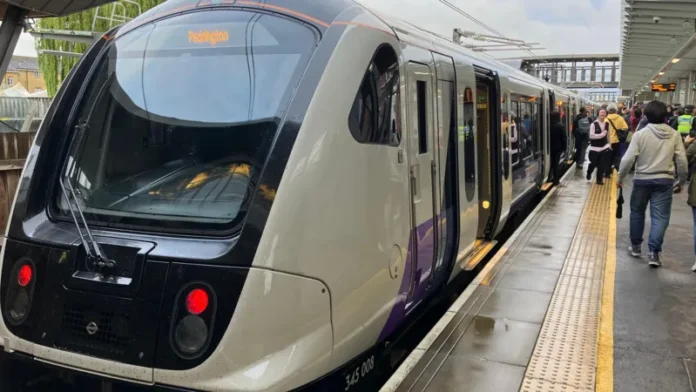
{"x": 563, "y": 307}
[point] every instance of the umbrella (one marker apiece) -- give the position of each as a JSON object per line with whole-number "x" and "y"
{"x": 619, "y": 204}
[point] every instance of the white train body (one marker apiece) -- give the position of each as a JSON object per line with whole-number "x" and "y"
{"x": 371, "y": 194}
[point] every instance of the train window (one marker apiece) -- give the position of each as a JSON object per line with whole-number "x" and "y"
{"x": 190, "y": 157}
{"x": 536, "y": 120}
{"x": 375, "y": 115}
{"x": 421, "y": 88}
{"x": 526, "y": 130}
{"x": 515, "y": 134}
{"x": 469, "y": 145}
{"x": 505, "y": 125}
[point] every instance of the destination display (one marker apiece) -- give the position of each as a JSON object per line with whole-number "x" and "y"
{"x": 664, "y": 87}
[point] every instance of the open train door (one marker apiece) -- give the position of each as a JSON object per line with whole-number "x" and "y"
{"x": 489, "y": 147}
{"x": 549, "y": 104}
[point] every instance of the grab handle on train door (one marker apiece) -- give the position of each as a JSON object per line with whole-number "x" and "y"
{"x": 414, "y": 182}
{"x": 414, "y": 188}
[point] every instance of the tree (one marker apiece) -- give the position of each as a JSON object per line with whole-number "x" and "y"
{"x": 54, "y": 68}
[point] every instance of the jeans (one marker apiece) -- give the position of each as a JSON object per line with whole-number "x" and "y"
{"x": 660, "y": 198}
{"x": 581, "y": 143}
{"x": 693, "y": 210}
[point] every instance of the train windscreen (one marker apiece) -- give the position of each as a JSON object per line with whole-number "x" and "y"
{"x": 179, "y": 115}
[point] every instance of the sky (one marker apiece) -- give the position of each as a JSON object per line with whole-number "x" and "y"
{"x": 560, "y": 26}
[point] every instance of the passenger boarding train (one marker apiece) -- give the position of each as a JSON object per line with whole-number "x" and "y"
{"x": 243, "y": 196}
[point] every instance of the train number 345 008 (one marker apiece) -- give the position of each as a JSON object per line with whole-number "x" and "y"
{"x": 353, "y": 377}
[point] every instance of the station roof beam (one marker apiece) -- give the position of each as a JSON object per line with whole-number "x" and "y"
{"x": 658, "y": 42}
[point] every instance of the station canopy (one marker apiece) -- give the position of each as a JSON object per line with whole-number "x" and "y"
{"x": 659, "y": 42}
{"x": 44, "y": 8}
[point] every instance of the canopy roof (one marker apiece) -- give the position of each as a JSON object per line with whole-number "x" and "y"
{"x": 43, "y": 8}
{"x": 655, "y": 34}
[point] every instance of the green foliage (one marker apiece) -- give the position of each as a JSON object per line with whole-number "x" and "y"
{"x": 56, "y": 69}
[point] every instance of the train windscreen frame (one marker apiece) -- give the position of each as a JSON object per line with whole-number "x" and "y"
{"x": 178, "y": 118}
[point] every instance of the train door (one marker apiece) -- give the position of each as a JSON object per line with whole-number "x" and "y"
{"x": 571, "y": 130}
{"x": 549, "y": 106}
{"x": 422, "y": 157}
{"x": 446, "y": 157}
{"x": 488, "y": 145}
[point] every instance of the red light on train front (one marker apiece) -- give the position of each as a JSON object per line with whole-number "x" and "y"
{"x": 24, "y": 275}
{"x": 193, "y": 316}
{"x": 197, "y": 301}
{"x": 20, "y": 291}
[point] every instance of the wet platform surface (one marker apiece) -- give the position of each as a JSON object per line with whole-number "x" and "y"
{"x": 655, "y": 310}
{"x": 565, "y": 308}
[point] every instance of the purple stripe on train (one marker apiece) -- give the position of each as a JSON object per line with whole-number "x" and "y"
{"x": 426, "y": 247}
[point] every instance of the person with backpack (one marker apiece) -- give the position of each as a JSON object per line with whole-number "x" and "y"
{"x": 600, "y": 149}
{"x": 617, "y": 135}
{"x": 581, "y": 127}
{"x": 654, "y": 150}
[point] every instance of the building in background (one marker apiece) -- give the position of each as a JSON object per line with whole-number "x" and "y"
{"x": 592, "y": 76}
{"x": 24, "y": 70}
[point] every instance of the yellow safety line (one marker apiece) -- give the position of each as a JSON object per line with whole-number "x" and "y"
{"x": 605, "y": 348}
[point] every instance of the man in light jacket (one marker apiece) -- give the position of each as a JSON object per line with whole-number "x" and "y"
{"x": 654, "y": 150}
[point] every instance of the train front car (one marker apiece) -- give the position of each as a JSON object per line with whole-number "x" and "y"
{"x": 142, "y": 244}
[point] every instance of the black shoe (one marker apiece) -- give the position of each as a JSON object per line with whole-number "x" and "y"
{"x": 654, "y": 260}
{"x": 600, "y": 182}
{"x": 588, "y": 176}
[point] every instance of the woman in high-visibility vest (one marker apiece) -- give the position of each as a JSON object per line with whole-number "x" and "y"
{"x": 685, "y": 122}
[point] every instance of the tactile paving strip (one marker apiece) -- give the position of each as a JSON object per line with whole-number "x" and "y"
{"x": 565, "y": 355}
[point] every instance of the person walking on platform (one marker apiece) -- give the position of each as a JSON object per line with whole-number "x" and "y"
{"x": 618, "y": 132}
{"x": 654, "y": 150}
{"x": 691, "y": 157}
{"x": 600, "y": 149}
{"x": 685, "y": 122}
{"x": 581, "y": 131}
{"x": 559, "y": 143}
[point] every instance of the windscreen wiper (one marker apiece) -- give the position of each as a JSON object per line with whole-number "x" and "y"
{"x": 95, "y": 255}
{"x": 94, "y": 252}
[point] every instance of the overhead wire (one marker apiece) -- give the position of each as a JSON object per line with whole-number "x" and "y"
{"x": 480, "y": 23}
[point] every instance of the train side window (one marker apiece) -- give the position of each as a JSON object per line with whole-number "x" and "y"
{"x": 537, "y": 129}
{"x": 515, "y": 132}
{"x": 469, "y": 145}
{"x": 421, "y": 89}
{"x": 527, "y": 130}
{"x": 505, "y": 122}
{"x": 375, "y": 115}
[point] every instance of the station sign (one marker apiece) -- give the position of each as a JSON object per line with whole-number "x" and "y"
{"x": 664, "y": 87}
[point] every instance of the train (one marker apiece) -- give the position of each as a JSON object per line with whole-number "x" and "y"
{"x": 257, "y": 196}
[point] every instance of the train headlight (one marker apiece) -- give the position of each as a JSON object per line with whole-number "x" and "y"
{"x": 20, "y": 291}
{"x": 191, "y": 334}
{"x": 192, "y": 317}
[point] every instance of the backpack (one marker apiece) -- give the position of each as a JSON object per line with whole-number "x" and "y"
{"x": 622, "y": 134}
{"x": 584, "y": 126}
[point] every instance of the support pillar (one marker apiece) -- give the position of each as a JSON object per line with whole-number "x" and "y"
{"x": 689, "y": 88}
{"x": 10, "y": 29}
{"x": 593, "y": 71}
{"x": 682, "y": 88}
{"x": 613, "y": 72}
